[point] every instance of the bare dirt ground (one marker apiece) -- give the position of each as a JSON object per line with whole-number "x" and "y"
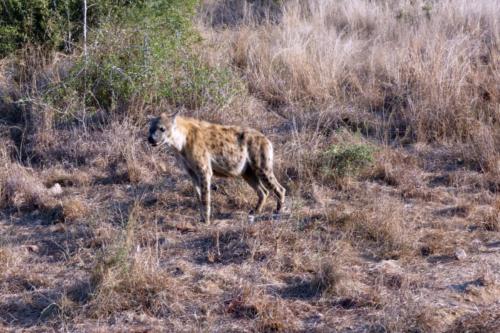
{"x": 99, "y": 232}
{"x": 381, "y": 254}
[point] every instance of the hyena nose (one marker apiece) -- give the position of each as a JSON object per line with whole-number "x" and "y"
{"x": 151, "y": 140}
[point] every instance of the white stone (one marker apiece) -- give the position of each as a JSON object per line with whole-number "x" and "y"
{"x": 56, "y": 189}
{"x": 460, "y": 254}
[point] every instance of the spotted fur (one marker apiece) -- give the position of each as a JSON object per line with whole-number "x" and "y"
{"x": 205, "y": 149}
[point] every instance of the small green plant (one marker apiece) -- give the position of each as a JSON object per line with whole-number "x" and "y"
{"x": 343, "y": 160}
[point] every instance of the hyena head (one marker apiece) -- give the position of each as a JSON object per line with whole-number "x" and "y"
{"x": 160, "y": 131}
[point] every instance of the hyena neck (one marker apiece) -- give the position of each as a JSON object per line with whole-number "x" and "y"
{"x": 178, "y": 137}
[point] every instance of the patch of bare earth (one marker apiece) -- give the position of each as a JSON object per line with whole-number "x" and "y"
{"x": 100, "y": 232}
{"x": 383, "y": 253}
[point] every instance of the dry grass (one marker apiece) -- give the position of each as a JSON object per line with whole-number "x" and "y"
{"x": 486, "y": 321}
{"x": 394, "y": 168}
{"x": 22, "y": 190}
{"x": 370, "y": 249}
{"x": 397, "y": 61}
{"x": 488, "y": 218}
{"x": 131, "y": 284}
{"x": 127, "y": 277}
{"x": 382, "y": 225}
{"x": 74, "y": 208}
{"x": 66, "y": 178}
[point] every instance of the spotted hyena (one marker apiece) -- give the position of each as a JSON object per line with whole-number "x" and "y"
{"x": 206, "y": 149}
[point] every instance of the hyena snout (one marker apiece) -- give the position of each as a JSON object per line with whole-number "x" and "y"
{"x": 152, "y": 141}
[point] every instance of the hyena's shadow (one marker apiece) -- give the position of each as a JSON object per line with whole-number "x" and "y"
{"x": 176, "y": 193}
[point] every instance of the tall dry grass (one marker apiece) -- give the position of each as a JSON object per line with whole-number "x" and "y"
{"x": 421, "y": 70}
{"x": 394, "y": 69}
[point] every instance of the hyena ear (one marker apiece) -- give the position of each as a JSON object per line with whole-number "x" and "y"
{"x": 175, "y": 114}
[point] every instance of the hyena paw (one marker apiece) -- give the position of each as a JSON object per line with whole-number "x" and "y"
{"x": 205, "y": 220}
{"x": 284, "y": 208}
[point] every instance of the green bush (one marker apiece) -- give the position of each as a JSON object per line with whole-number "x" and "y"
{"x": 346, "y": 159}
{"x": 54, "y": 24}
{"x": 147, "y": 53}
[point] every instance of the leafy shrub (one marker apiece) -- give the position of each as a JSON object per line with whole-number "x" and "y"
{"x": 150, "y": 57}
{"x": 53, "y": 24}
{"x": 346, "y": 159}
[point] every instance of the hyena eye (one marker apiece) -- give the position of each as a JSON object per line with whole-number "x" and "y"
{"x": 162, "y": 129}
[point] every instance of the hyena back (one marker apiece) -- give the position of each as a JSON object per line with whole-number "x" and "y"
{"x": 206, "y": 149}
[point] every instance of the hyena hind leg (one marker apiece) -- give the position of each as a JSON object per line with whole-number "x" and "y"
{"x": 269, "y": 180}
{"x": 262, "y": 192}
{"x": 205, "y": 198}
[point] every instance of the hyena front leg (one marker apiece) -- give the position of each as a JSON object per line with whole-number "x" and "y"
{"x": 196, "y": 182}
{"x": 204, "y": 179}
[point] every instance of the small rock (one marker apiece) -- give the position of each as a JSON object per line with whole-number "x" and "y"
{"x": 389, "y": 263}
{"x": 32, "y": 248}
{"x": 389, "y": 267}
{"x": 59, "y": 227}
{"x": 460, "y": 254}
{"x": 162, "y": 166}
{"x": 56, "y": 189}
